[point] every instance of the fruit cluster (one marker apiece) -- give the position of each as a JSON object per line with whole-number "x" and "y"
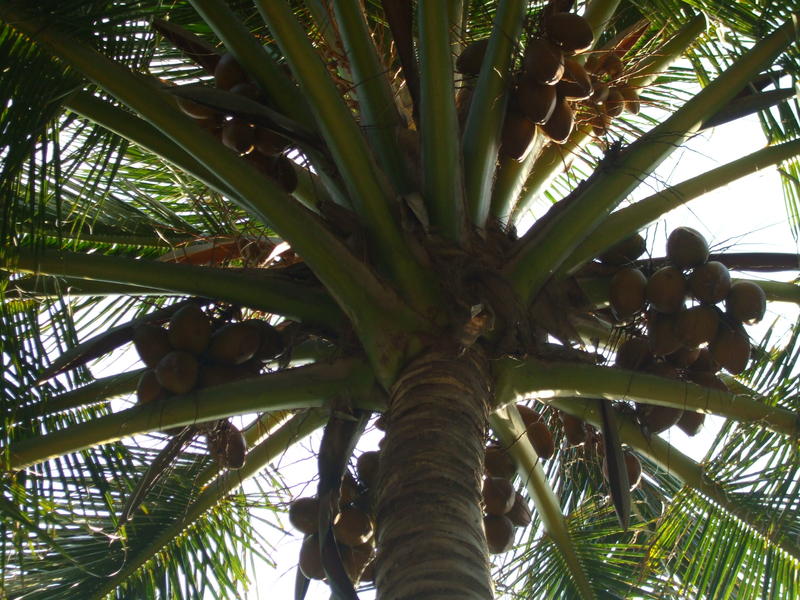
{"x": 192, "y": 354}
{"x": 352, "y": 527}
{"x": 551, "y": 81}
{"x": 504, "y": 507}
{"x": 691, "y": 343}
{"x": 261, "y": 146}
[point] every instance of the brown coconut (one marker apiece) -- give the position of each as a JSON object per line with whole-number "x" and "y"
{"x": 627, "y": 292}
{"x": 560, "y": 124}
{"x": 151, "y": 343}
{"x": 178, "y": 372}
{"x": 697, "y": 325}
{"x": 543, "y": 62}
{"x": 686, "y": 248}
{"x": 746, "y": 302}
{"x": 710, "y": 282}
{"x": 304, "y": 514}
{"x": 499, "y": 533}
{"x": 498, "y": 495}
{"x": 190, "y": 329}
{"x": 666, "y": 290}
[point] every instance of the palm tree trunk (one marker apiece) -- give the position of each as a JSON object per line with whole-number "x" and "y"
{"x": 429, "y": 522}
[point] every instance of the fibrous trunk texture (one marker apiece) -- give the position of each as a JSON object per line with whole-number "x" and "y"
{"x": 430, "y": 538}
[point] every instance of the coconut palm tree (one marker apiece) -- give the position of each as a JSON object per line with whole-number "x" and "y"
{"x": 327, "y": 179}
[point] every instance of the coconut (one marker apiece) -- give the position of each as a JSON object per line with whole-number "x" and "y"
{"x": 499, "y": 463}
{"x": 239, "y": 136}
{"x": 151, "y": 343}
{"x": 304, "y": 515}
{"x": 746, "y": 302}
{"x": 352, "y": 527}
{"x": 634, "y": 353}
{"x": 517, "y": 135}
{"x": 683, "y": 357}
{"x": 624, "y": 251}
{"x": 608, "y": 63}
{"x": 535, "y": 100}
{"x": 666, "y": 290}
{"x": 234, "y": 344}
{"x": 570, "y": 32}
{"x": 178, "y": 372}
{"x": 499, "y": 533}
{"x": 348, "y": 490}
{"x": 574, "y": 429}
{"x": 697, "y": 325}
{"x": 710, "y": 282}
{"x": 282, "y": 171}
{"x": 247, "y": 89}
{"x": 367, "y": 468}
{"x": 634, "y": 468}
{"x": 704, "y": 362}
{"x": 148, "y": 389}
{"x": 657, "y": 418}
{"x": 560, "y": 124}
{"x": 272, "y": 343}
{"x": 661, "y": 333}
{"x": 542, "y": 440}
{"x": 631, "y": 96}
{"x": 228, "y": 446}
{"x": 575, "y": 83}
{"x": 627, "y": 292}
{"x": 355, "y": 559}
{"x": 599, "y": 92}
{"x": 691, "y": 422}
{"x": 190, "y": 329}
{"x": 686, "y": 248}
{"x": 529, "y": 416}
{"x": 520, "y": 513}
{"x": 614, "y": 103}
{"x": 310, "y": 559}
{"x": 498, "y": 495}
{"x": 471, "y": 57}
{"x": 229, "y": 72}
{"x": 731, "y": 348}
{"x": 269, "y": 143}
{"x": 195, "y": 109}
{"x": 707, "y": 379}
{"x": 600, "y": 123}
{"x": 214, "y": 374}
{"x": 543, "y": 62}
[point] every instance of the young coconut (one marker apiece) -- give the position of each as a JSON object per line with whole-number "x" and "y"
{"x": 666, "y": 290}
{"x": 352, "y": 527}
{"x": 657, "y": 418}
{"x": 310, "y": 559}
{"x": 710, "y": 282}
{"x": 520, "y": 514}
{"x": 178, "y": 372}
{"x": 560, "y": 124}
{"x": 570, "y": 32}
{"x": 543, "y": 62}
{"x": 746, "y": 302}
{"x": 148, "y": 389}
{"x": 686, "y": 248}
{"x": 190, "y": 329}
{"x": 575, "y": 83}
{"x": 535, "y": 100}
{"x": 517, "y": 135}
{"x": 697, "y": 325}
{"x": 498, "y": 462}
{"x": 730, "y": 348}
{"x": 471, "y": 58}
{"x": 691, "y": 422}
{"x": 304, "y": 514}
{"x": 234, "y": 344}
{"x": 498, "y": 495}
{"x": 627, "y": 292}
{"x": 624, "y": 251}
{"x": 574, "y": 429}
{"x": 151, "y": 343}
{"x": 499, "y": 533}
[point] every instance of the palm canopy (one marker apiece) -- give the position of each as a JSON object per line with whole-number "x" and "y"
{"x": 398, "y": 208}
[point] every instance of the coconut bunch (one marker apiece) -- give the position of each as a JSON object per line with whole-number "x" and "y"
{"x": 192, "y": 354}
{"x": 504, "y": 509}
{"x": 611, "y": 93}
{"x": 670, "y": 339}
{"x": 352, "y": 527}
{"x": 264, "y": 148}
